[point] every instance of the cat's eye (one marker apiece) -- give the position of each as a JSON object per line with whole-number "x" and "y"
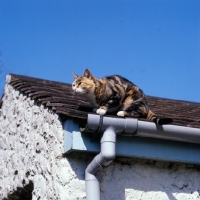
{"x": 79, "y": 83}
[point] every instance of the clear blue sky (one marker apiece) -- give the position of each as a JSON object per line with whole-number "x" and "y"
{"x": 154, "y": 43}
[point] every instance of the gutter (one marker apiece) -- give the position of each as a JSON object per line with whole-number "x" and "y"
{"x": 131, "y": 127}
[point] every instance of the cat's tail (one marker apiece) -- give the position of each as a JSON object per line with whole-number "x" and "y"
{"x": 159, "y": 121}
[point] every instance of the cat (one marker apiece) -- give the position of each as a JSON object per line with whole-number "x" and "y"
{"x": 115, "y": 94}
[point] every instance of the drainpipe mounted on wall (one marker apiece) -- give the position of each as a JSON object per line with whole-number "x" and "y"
{"x": 110, "y": 126}
{"x": 104, "y": 158}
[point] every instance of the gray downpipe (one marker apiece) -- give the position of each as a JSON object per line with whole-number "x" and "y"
{"x": 104, "y": 158}
{"x": 110, "y": 127}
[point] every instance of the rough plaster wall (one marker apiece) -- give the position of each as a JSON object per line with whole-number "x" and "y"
{"x": 31, "y": 145}
{"x": 137, "y": 179}
{"x": 151, "y": 181}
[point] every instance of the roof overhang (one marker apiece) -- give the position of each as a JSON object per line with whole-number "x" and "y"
{"x": 147, "y": 140}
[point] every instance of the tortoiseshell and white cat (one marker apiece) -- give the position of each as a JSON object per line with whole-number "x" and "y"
{"x": 115, "y": 94}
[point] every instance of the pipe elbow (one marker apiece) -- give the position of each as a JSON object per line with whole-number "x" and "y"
{"x": 108, "y": 151}
{"x": 105, "y": 158}
{"x": 89, "y": 176}
{"x": 108, "y": 155}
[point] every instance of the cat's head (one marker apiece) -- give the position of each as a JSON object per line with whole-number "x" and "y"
{"x": 84, "y": 84}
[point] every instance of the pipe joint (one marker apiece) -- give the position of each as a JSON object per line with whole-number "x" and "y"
{"x": 126, "y": 126}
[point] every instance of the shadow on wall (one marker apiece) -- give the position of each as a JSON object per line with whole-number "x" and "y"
{"x": 22, "y": 193}
{"x": 79, "y": 162}
{"x": 143, "y": 179}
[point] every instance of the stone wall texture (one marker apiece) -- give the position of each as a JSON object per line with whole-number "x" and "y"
{"x": 31, "y": 148}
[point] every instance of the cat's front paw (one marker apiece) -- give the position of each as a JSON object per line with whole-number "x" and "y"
{"x": 101, "y": 111}
{"x": 121, "y": 114}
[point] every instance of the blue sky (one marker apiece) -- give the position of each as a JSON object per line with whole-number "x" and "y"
{"x": 155, "y": 44}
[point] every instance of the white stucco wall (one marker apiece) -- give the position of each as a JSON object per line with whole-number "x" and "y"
{"x": 31, "y": 142}
{"x": 31, "y": 145}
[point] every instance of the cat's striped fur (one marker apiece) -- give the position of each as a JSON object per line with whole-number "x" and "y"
{"x": 115, "y": 94}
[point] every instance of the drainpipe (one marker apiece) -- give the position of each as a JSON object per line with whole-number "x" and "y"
{"x": 126, "y": 126}
{"x": 104, "y": 158}
{"x": 110, "y": 126}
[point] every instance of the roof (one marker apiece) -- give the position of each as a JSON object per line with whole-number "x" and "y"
{"x": 61, "y": 99}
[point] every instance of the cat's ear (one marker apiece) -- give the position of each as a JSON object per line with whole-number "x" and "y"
{"x": 74, "y": 75}
{"x": 88, "y": 74}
